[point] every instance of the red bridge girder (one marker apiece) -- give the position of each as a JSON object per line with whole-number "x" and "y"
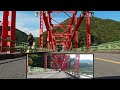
{"x": 77, "y": 64}
{"x": 62, "y": 61}
{"x": 70, "y": 31}
{"x": 11, "y": 34}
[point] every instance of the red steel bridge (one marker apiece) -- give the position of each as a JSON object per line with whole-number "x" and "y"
{"x": 62, "y": 62}
{"x": 65, "y": 38}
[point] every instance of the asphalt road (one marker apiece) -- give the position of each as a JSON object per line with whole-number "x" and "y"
{"x": 49, "y": 75}
{"x": 13, "y": 68}
{"x": 106, "y": 66}
{"x": 60, "y": 75}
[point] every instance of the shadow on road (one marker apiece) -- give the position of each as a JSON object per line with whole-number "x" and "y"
{"x": 108, "y": 77}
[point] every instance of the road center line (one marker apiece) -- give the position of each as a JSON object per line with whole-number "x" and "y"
{"x": 107, "y": 60}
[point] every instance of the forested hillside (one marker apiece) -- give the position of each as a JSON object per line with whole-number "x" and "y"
{"x": 20, "y": 36}
{"x": 102, "y": 31}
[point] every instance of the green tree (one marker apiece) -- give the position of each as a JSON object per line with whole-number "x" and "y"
{"x": 30, "y": 61}
{"x": 102, "y": 31}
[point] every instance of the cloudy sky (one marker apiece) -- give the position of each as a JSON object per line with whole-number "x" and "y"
{"x": 83, "y": 56}
{"x": 27, "y": 22}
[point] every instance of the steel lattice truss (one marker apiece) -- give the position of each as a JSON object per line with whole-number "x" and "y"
{"x": 69, "y": 32}
{"x": 8, "y": 33}
{"x": 62, "y": 61}
{"x": 69, "y": 29}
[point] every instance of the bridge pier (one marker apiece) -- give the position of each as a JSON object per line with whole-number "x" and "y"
{"x": 77, "y": 65}
{"x": 8, "y": 33}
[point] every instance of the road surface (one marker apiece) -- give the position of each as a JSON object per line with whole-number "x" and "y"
{"x": 106, "y": 66}
{"x": 49, "y": 75}
{"x": 13, "y": 68}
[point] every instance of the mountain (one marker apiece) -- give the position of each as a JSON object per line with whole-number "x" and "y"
{"x": 102, "y": 31}
{"x": 20, "y": 36}
{"x": 86, "y": 61}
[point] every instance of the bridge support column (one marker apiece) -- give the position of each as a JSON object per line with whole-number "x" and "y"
{"x": 77, "y": 65}
{"x": 41, "y": 30}
{"x": 8, "y": 33}
{"x": 88, "y": 36}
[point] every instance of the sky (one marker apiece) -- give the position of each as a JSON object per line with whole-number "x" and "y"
{"x": 83, "y": 56}
{"x": 28, "y": 23}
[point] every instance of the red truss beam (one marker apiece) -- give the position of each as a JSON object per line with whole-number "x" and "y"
{"x": 75, "y": 34}
{"x": 77, "y": 64}
{"x": 48, "y": 18}
{"x": 88, "y": 36}
{"x": 61, "y": 35}
{"x": 49, "y": 30}
{"x": 11, "y": 34}
{"x": 5, "y": 29}
{"x": 79, "y": 21}
{"x": 64, "y": 62}
{"x": 68, "y": 30}
{"x": 58, "y": 61}
{"x": 41, "y": 29}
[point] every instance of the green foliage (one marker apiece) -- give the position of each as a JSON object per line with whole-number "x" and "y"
{"x": 30, "y": 61}
{"x": 20, "y": 36}
{"x": 33, "y": 56}
{"x": 102, "y": 31}
{"x": 38, "y": 60}
{"x": 36, "y": 41}
{"x": 84, "y": 65}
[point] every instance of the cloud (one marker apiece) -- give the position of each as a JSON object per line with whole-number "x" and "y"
{"x": 27, "y": 19}
{"x": 83, "y": 56}
{"x": 72, "y": 55}
{"x": 86, "y": 56}
{"x": 27, "y": 22}
{"x": 27, "y": 30}
{"x": 1, "y": 15}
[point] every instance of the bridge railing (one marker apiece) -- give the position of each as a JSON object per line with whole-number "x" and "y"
{"x": 19, "y": 46}
{"x": 22, "y": 47}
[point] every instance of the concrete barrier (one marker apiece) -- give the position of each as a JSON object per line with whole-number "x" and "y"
{"x": 11, "y": 56}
